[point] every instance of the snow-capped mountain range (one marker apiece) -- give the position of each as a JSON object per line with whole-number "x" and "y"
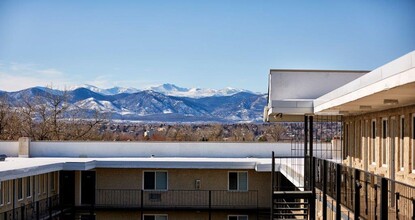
{"x": 164, "y": 103}
{"x": 166, "y": 89}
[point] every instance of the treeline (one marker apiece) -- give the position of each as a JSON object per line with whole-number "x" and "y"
{"x": 48, "y": 118}
{"x": 195, "y": 132}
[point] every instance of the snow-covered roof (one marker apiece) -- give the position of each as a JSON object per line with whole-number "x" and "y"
{"x": 15, "y": 167}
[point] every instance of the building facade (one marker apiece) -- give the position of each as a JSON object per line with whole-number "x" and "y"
{"x": 97, "y": 180}
{"x": 374, "y": 114}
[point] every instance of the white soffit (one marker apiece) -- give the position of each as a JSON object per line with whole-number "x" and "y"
{"x": 291, "y": 92}
{"x": 394, "y": 81}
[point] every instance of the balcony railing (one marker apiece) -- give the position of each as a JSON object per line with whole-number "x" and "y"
{"x": 42, "y": 209}
{"x": 174, "y": 199}
{"x": 361, "y": 193}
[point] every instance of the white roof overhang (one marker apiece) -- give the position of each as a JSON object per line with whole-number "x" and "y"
{"x": 389, "y": 86}
{"x": 291, "y": 92}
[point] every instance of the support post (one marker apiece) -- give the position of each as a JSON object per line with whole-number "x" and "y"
{"x": 210, "y": 204}
{"x": 357, "y": 187}
{"x": 14, "y": 198}
{"x": 384, "y": 199}
{"x": 338, "y": 191}
{"x": 325, "y": 164}
{"x": 142, "y": 199}
{"x": 22, "y": 212}
{"x": 413, "y": 208}
{"x": 306, "y": 169}
{"x": 312, "y": 172}
{"x": 272, "y": 185}
{"x": 397, "y": 197}
{"x": 50, "y": 207}
{"x": 37, "y": 210}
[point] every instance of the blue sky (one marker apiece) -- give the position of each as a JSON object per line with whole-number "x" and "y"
{"x": 208, "y": 44}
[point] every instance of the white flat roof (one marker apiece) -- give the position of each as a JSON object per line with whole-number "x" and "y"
{"x": 16, "y": 167}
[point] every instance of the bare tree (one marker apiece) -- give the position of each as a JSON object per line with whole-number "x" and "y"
{"x": 5, "y": 112}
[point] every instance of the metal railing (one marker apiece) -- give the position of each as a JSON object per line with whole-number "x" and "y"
{"x": 364, "y": 194}
{"x": 200, "y": 199}
{"x": 42, "y": 209}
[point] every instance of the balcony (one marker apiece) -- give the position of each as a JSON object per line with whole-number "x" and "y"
{"x": 42, "y": 209}
{"x": 176, "y": 199}
{"x": 351, "y": 192}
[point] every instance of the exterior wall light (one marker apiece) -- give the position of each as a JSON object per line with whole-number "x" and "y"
{"x": 365, "y": 107}
{"x": 390, "y": 101}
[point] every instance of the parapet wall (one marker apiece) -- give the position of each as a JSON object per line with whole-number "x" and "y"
{"x": 158, "y": 149}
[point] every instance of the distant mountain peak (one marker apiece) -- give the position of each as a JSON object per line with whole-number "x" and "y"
{"x": 110, "y": 91}
{"x": 174, "y": 90}
{"x": 168, "y": 87}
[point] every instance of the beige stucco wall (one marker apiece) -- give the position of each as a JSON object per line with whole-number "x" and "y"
{"x": 359, "y": 140}
{"x": 184, "y": 179}
{"x": 40, "y": 186}
{"x": 172, "y": 215}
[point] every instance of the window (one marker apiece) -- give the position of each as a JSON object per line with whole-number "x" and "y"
{"x": 39, "y": 181}
{"x": 237, "y": 217}
{"x": 2, "y": 191}
{"x": 358, "y": 138}
{"x": 238, "y": 181}
{"x": 45, "y": 183}
{"x": 52, "y": 181}
{"x": 155, "y": 217}
{"x": 8, "y": 192}
{"x": 413, "y": 143}
{"x": 155, "y": 180}
{"x": 366, "y": 133}
{"x": 28, "y": 187}
{"x": 346, "y": 141}
{"x": 385, "y": 142}
{"x": 373, "y": 144}
{"x": 401, "y": 144}
{"x": 20, "y": 189}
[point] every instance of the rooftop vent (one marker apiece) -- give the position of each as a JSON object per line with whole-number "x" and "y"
{"x": 3, "y": 157}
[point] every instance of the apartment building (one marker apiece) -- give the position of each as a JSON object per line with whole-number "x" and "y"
{"x": 137, "y": 180}
{"x": 375, "y": 114}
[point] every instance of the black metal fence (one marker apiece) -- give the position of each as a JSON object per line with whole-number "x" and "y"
{"x": 199, "y": 199}
{"x": 362, "y": 195}
{"x": 42, "y": 209}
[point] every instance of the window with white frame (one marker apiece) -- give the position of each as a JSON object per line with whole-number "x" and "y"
{"x": 373, "y": 141}
{"x": 45, "y": 183}
{"x": 413, "y": 143}
{"x": 155, "y": 217}
{"x": 155, "y": 180}
{"x": 8, "y": 192}
{"x": 20, "y": 189}
{"x": 28, "y": 187}
{"x": 52, "y": 181}
{"x": 39, "y": 187}
{"x": 237, "y": 217}
{"x": 358, "y": 139}
{"x": 366, "y": 132}
{"x": 2, "y": 192}
{"x": 401, "y": 143}
{"x": 347, "y": 142}
{"x": 384, "y": 141}
{"x": 238, "y": 181}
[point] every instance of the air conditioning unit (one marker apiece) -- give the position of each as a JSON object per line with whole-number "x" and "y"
{"x": 154, "y": 197}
